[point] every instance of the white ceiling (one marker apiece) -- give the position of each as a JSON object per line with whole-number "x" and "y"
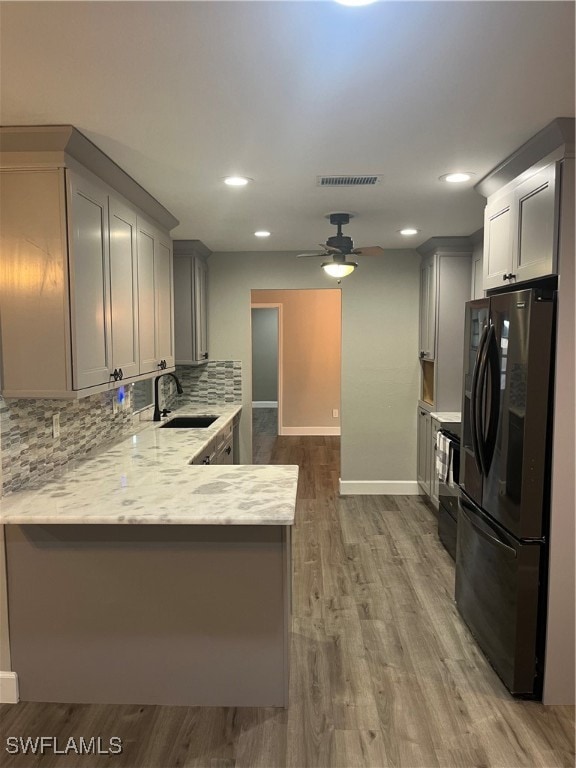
{"x": 180, "y": 94}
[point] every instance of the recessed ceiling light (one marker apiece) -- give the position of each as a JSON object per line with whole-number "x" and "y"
{"x": 236, "y": 181}
{"x": 408, "y": 231}
{"x": 456, "y": 178}
{"x": 262, "y": 233}
{"x": 355, "y": 2}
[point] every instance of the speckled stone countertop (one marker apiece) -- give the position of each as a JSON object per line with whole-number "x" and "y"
{"x": 448, "y": 417}
{"x": 148, "y": 479}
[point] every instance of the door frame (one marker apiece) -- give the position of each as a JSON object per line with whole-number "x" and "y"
{"x": 279, "y": 307}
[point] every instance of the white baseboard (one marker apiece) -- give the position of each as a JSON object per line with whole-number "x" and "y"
{"x": 264, "y": 403}
{"x": 309, "y": 430}
{"x": 379, "y": 488}
{"x": 8, "y": 688}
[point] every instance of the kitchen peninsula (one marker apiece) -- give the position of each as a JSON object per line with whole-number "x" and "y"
{"x": 138, "y": 577}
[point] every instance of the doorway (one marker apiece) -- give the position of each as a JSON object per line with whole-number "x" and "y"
{"x": 296, "y": 333}
{"x": 266, "y": 379}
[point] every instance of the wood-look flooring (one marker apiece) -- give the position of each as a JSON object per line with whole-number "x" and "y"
{"x": 264, "y": 433}
{"x": 384, "y": 672}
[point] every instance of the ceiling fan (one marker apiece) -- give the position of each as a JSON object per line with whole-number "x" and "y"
{"x": 339, "y": 246}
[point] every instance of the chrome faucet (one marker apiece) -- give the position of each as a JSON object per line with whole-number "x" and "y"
{"x": 165, "y": 411}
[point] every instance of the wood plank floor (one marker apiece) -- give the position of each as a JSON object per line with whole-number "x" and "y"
{"x": 384, "y": 673}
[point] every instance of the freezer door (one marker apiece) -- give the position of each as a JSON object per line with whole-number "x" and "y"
{"x": 475, "y": 333}
{"x": 497, "y": 595}
{"x": 513, "y": 391}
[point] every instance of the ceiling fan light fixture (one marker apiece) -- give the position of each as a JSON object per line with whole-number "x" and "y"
{"x": 339, "y": 268}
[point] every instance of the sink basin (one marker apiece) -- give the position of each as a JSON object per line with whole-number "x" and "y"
{"x": 189, "y": 422}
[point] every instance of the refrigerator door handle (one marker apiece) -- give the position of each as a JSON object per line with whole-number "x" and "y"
{"x": 494, "y": 397}
{"x": 473, "y": 401}
{"x": 497, "y": 542}
{"x": 477, "y": 399}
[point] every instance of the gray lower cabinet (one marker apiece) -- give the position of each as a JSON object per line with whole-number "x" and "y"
{"x": 424, "y": 469}
{"x": 221, "y": 449}
{"x": 188, "y": 615}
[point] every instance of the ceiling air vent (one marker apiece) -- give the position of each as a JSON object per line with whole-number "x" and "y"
{"x": 348, "y": 181}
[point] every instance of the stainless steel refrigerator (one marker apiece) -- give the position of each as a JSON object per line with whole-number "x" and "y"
{"x": 503, "y": 514}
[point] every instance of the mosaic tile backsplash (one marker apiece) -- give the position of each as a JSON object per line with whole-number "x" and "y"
{"x": 29, "y": 453}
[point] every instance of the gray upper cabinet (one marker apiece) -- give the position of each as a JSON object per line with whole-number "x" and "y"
{"x": 520, "y": 226}
{"x": 89, "y": 267}
{"x": 529, "y": 211}
{"x": 536, "y": 206}
{"x": 190, "y": 302}
{"x": 89, "y": 303}
{"x": 155, "y": 299}
{"x": 146, "y": 298}
{"x": 498, "y": 228}
{"x": 123, "y": 288}
{"x": 164, "y": 284}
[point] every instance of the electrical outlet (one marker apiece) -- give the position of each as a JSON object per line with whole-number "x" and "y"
{"x": 115, "y": 405}
{"x": 56, "y": 425}
{"x": 334, "y": 413}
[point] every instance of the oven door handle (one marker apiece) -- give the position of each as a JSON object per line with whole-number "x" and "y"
{"x": 497, "y": 542}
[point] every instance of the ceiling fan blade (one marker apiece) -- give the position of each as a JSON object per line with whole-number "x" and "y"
{"x": 370, "y": 250}
{"x": 330, "y": 248}
{"x": 309, "y": 255}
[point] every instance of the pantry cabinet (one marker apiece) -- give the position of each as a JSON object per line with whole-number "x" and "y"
{"x": 190, "y": 302}
{"x": 86, "y": 277}
{"x": 444, "y": 289}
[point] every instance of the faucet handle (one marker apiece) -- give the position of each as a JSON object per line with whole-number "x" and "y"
{"x": 165, "y": 412}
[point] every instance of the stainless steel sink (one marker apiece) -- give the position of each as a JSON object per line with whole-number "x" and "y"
{"x": 189, "y": 422}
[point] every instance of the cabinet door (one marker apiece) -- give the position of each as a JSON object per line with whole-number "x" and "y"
{"x": 200, "y": 310}
{"x": 146, "y": 299}
{"x": 424, "y": 432}
{"x": 183, "y": 324}
{"x": 434, "y": 479}
{"x": 428, "y": 309}
{"x": 123, "y": 288}
{"x": 536, "y": 231}
{"x": 164, "y": 301}
{"x": 89, "y": 283}
{"x": 477, "y": 289}
{"x": 498, "y": 242}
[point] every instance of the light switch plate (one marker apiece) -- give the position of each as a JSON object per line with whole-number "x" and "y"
{"x": 334, "y": 413}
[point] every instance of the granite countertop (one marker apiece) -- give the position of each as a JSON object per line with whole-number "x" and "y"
{"x": 147, "y": 478}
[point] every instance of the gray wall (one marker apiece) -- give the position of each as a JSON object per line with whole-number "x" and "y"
{"x": 264, "y": 354}
{"x": 380, "y": 305}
